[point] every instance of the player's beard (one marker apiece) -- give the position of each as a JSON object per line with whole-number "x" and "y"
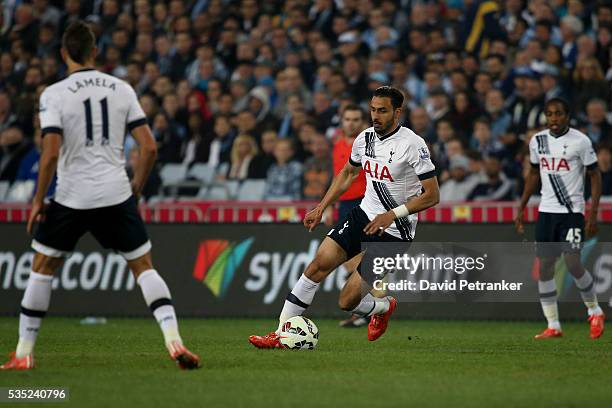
{"x": 385, "y": 128}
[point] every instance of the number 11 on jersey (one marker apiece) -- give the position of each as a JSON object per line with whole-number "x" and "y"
{"x": 89, "y": 122}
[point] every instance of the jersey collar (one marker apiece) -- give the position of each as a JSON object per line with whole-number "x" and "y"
{"x": 388, "y": 134}
{"x": 83, "y": 70}
{"x": 558, "y": 136}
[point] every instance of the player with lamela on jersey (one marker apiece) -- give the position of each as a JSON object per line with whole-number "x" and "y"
{"x": 84, "y": 119}
{"x": 559, "y": 156}
{"x": 401, "y": 181}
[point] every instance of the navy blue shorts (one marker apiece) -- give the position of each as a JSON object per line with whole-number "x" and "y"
{"x": 346, "y": 206}
{"x": 348, "y": 233}
{"x": 566, "y": 229}
{"x": 118, "y": 227}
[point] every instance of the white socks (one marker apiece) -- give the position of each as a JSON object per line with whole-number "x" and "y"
{"x": 587, "y": 290}
{"x": 548, "y": 299}
{"x": 371, "y": 305}
{"x": 34, "y": 306}
{"x": 298, "y": 299}
{"x": 157, "y": 296}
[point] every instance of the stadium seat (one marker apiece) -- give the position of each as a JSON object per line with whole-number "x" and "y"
{"x": 155, "y": 199}
{"x": 172, "y": 176}
{"x": 202, "y": 172}
{"x": 4, "y": 188}
{"x": 219, "y": 190}
{"x": 172, "y": 173}
{"x": 216, "y": 192}
{"x": 232, "y": 188}
{"x": 252, "y": 190}
{"x": 20, "y": 191}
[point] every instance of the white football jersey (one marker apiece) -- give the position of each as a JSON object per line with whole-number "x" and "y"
{"x": 562, "y": 161}
{"x": 393, "y": 165}
{"x": 92, "y": 111}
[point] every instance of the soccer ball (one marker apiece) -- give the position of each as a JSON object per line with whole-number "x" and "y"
{"x": 299, "y": 333}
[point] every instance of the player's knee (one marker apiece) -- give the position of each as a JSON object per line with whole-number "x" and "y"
{"x": 316, "y": 270}
{"x": 139, "y": 265}
{"x": 573, "y": 263}
{"x": 547, "y": 268}
{"x": 346, "y": 304}
{"x": 46, "y": 265}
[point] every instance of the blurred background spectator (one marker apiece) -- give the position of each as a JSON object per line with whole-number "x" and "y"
{"x": 497, "y": 187}
{"x": 244, "y": 150}
{"x": 461, "y": 182}
{"x": 284, "y": 179}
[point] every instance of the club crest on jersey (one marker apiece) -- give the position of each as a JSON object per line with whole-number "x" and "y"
{"x": 391, "y": 153}
{"x": 423, "y": 153}
{"x": 554, "y": 164}
{"x": 379, "y": 172}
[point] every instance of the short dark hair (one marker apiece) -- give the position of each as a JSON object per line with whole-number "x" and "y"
{"x": 484, "y": 73}
{"x": 484, "y": 120}
{"x": 139, "y": 64}
{"x": 458, "y": 71}
{"x": 560, "y": 101}
{"x": 79, "y": 41}
{"x": 498, "y": 57}
{"x": 474, "y": 155}
{"x": 545, "y": 23}
{"x": 397, "y": 98}
{"x": 356, "y": 108}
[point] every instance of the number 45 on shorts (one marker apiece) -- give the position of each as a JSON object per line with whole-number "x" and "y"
{"x": 574, "y": 235}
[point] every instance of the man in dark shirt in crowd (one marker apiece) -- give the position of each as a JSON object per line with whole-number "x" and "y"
{"x": 496, "y": 188}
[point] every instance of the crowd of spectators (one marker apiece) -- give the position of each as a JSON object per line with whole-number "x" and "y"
{"x": 256, "y": 89}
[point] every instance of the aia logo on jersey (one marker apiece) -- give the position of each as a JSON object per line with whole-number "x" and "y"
{"x": 379, "y": 172}
{"x": 554, "y": 164}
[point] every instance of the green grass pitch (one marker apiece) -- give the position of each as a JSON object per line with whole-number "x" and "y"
{"x": 416, "y": 363}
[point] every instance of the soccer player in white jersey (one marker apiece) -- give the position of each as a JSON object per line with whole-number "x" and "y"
{"x": 559, "y": 157}
{"x": 84, "y": 119}
{"x": 401, "y": 181}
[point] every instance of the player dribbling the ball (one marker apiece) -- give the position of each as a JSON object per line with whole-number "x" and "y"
{"x": 401, "y": 181}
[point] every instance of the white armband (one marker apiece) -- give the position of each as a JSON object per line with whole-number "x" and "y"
{"x": 401, "y": 211}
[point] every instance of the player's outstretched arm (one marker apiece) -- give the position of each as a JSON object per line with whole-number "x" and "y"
{"x": 429, "y": 198}
{"x": 531, "y": 184}
{"x": 47, "y": 165}
{"x": 590, "y": 228}
{"x": 148, "y": 153}
{"x": 339, "y": 185}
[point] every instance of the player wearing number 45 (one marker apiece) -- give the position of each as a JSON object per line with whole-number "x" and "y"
{"x": 84, "y": 119}
{"x": 558, "y": 158}
{"x": 400, "y": 182}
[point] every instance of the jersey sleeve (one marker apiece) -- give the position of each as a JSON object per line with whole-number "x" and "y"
{"x": 534, "y": 158}
{"x": 587, "y": 154}
{"x": 357, "y": 150}
{"x": 136, "y": 116}
{"x": 50, "y": 114}
{"x": 419, "y": 158}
